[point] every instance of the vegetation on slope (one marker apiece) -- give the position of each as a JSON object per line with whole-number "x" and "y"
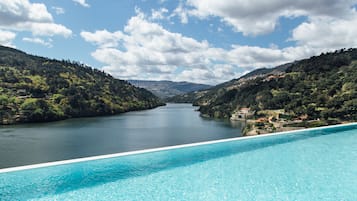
{"x": 322, "y": 87}
{"x": 167, "y": 89}
{"x": 198, "y": 97}
{"x": 34, "y": 89}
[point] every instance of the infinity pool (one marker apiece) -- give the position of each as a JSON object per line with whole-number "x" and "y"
{"x": 315, "y": 164}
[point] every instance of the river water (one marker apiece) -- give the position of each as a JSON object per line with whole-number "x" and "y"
{"x": 173, "y": 124}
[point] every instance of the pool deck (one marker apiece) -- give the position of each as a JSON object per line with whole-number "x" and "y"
{"x": 63, "y": 162}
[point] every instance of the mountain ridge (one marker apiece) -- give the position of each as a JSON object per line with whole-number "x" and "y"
{"x": 317, "y": 91}
{"x": 320, "y": 87}
{"x": 166, "y": 89}
{"x": 37, "y": 89}
{"x": 193, "y": 96}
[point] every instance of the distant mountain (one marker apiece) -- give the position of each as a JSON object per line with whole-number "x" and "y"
{"x": 266, "y": 71}
{"x": 166, "y": 89}
{"x": 321, "y": 87}
{"x": 194, "y": 96}
{"x": 34, "y": 89}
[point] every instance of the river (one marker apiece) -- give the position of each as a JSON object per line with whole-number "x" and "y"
{"x": 173, "y": 124}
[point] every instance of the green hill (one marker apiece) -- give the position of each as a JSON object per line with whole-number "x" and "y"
{"x": 35, "y": 89}
{"x": 198, "y": 97}
{"x": 166, "y": 89}
{"x": 321, "y": 87}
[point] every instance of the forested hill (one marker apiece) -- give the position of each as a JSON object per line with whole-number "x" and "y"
{"x": 196, "y": 95}
{"x": 321, "y": 87}
{"x": 165, "y": 89}
{"x": 34, "y": 89}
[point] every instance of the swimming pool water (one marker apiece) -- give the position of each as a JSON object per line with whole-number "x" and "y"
{"x": 318, "y": 164}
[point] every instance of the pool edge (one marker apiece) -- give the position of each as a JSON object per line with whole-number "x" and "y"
{"x": 91, "y": 158}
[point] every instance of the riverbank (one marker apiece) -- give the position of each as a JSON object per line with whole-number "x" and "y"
{"x": 20, "y": 118}
{"x": 265, "y": 126}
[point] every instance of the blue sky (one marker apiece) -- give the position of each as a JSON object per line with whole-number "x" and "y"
{"x": 206, "y": 41}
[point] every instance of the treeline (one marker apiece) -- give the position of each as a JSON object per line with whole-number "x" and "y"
{"x": 322, "y": 87}
{"x": 40, "y": 89}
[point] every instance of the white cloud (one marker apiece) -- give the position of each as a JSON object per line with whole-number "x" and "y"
{"x": 6, "y": 38}
{"x": 145, "y": 50}
{"x": 181, "y": 12}
{"x": 21, "y": 15}
{"x": 82, "y": 3}
{"x": 330, "y": 24}
{"x": 158, "y": 14}
{"x": 327, "y": 34}
{"x": 257, "y": 57}
{"x": 216, "y": 74}
{"x": 38, "y": 41}
{"x": 45, "y": 29}
{"x": 103, "y": 38}
{"x": 256, "y": 17}
{"x": 17, "y": 11}
{"x": 58, "y": 10}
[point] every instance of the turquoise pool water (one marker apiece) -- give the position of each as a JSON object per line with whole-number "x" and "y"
{"x": 319, "y": 164}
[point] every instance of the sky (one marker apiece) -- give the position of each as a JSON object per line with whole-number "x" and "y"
{"x": 202, "y": 41}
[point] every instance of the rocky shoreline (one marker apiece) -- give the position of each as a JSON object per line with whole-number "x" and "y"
{"x": 256, "y": 127}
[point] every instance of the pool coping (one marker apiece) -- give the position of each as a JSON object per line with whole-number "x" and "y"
{"x": 106, "y": 156}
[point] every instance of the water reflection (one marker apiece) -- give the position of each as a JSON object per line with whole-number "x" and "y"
{"x": 164, "y": 126}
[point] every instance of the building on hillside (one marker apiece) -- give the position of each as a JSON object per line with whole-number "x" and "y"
{"x": 241, "y": 114}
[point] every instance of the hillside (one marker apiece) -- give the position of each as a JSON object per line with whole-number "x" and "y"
{"x": 321, "y": 87}
{"x": 197, "y": 96}
{"x": 37, "y": 89}
{"x": 166, "y": 89}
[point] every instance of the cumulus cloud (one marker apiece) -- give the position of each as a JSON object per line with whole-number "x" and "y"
{"x": 103, "y": 38}
{"x": 17, "y": 11}
{"x": 327, "y": 34}
{"x": 213, "y": 75}
{"x": 82, "y": 3}
{"x": 6, "y": 37}
{"x": 146, "y": 50}
{"x": 38, "y": 41}
{"x": 254, "y": 56}
{"x": 44, "y": 29}
{"x": 21, "y": 15}
{"x": 256, "y": 17}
